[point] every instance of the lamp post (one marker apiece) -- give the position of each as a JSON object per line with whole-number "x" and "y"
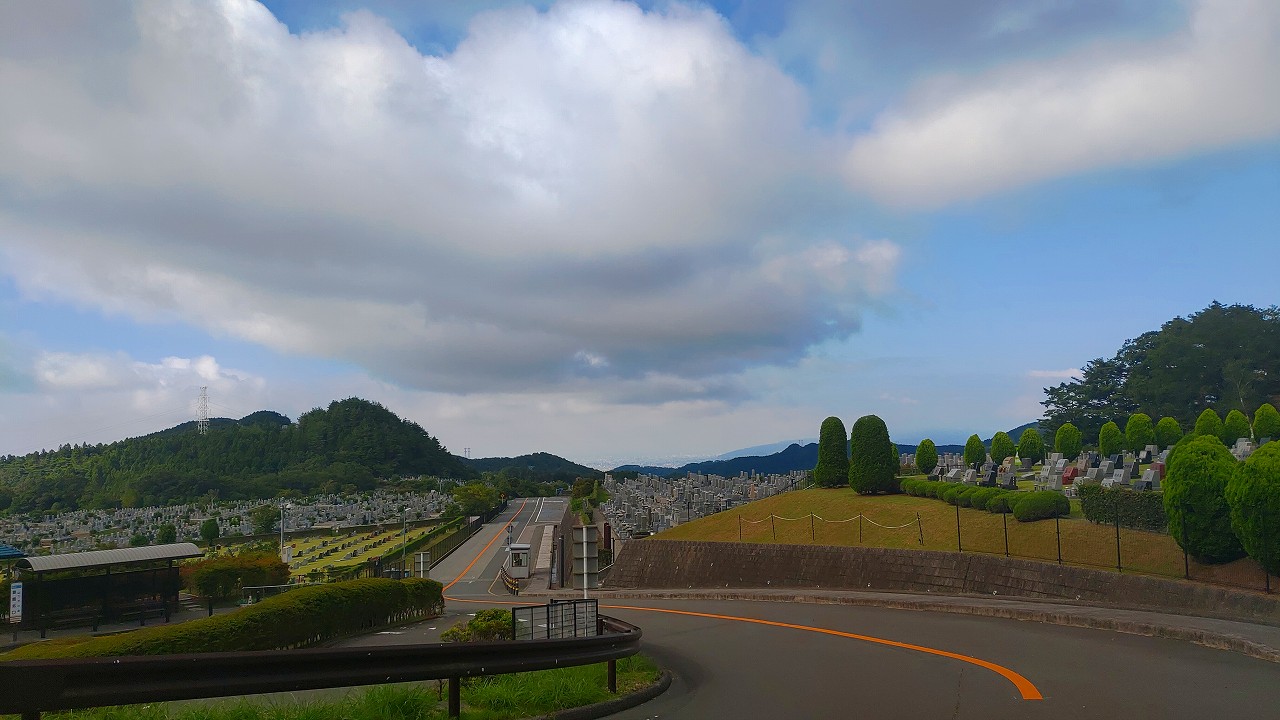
{"x": 404, "y": 538}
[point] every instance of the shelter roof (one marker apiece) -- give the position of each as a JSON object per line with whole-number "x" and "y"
{"x": 105, "y": 558}
{"x": 8, "y": 552}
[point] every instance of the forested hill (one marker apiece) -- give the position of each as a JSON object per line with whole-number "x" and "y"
{"x": 350, "y": 445}
{"x": 541, "y": 464}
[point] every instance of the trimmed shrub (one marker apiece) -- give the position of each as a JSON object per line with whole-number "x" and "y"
{"x": 873, "y": 461}
{"x": 487, "y": 625}
{"x": 1139, "y": 432}
{"x": 926, "y": 456}
{"x": 1208, "y": 424}
{"x": 1266, "y": 422}
{"x": 964, "y": 497}
{"x": 911, "y": 486}
{"x": 301, "y": 617}
{"x": 832, "y": 469}
{"x": 1068, "y": 441}
{"x": 979, "y": 498}
{"x": 1168, "y": 432}
{"x": 1040, "y": 505}
{"x": 1031, "y": 445}
{"x": 221, "y": 578}
{"x": 1236, "y": 426}
{"x": 936, "y": 488}
{"x": 1110, "y": 439}
{"x": 975, "y": 451}
{"x": 1195, "y": 499}
{"x": 1253, "y": 496}
{"x": 950, "y": 494}
{"x": 1002, "y": 446}
{"x": 1138, "y": 510}
{"x": 1002, "y": 503}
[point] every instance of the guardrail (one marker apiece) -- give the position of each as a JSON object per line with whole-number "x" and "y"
{"x": 35, "y": 686}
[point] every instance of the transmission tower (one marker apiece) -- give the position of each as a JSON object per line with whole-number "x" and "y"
{"x": 202, "y": 411}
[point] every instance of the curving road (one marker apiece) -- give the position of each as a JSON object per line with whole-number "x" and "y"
{"x": 744, "y": 659}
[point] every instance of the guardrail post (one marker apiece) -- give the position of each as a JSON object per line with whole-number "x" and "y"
{"x": 31, "y": 715}
{"x": 455, "y": 697}
{"x": 613, "y": 676}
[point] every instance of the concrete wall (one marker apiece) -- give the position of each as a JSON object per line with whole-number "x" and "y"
{"x": 657, "y": 564}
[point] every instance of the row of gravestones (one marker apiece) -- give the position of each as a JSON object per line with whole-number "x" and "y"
{"x": 1244, "y": 447}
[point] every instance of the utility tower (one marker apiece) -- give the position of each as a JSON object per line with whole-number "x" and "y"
{"x": 202, "y": 411}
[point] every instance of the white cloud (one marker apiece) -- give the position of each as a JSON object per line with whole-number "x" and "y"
{"x": 593, "y": 179}
{"x": 1210, "y": 86}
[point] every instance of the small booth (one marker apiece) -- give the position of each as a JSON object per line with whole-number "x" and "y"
{"x": 518, "y": 561}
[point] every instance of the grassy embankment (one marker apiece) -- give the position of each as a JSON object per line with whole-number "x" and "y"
{"x": 1083, "y": 542}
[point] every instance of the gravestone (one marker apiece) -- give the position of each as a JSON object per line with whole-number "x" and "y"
{"x": 1026, "y": 464}
{"x": 970, "y": 477}
{"x": 989, "y": 480}
{"x": 954, "y": 475}
{"x": 1092, "y": 476}
{"x": 1055, "y": 483}
{"x": 1148, "y": 480}
{"x": 1131, "y": 469}
{"x": 1106, "y": 467}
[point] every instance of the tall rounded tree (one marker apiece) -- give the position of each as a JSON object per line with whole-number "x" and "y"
{"x": 873, "y": 459}
{"x": 832, "y": 469}
{"x": 1266, "y": 422}
{"x": 1195, "y": 500}
{"x": 1168, "y": 432}
{"x": 1236, "y": 426}
{"x": 1031, "y": 445}
{"x": 1208, "y": 424}
{"x": 1253, "y": 494}
{"x": 975, "y": 451}
{"x": 1139, "y": 432}
{"x": 1110, "y": 439}
{"x": 1001, "y": 446}
{"x": 1068, "y": 441}
{"x": 926, "y": 456}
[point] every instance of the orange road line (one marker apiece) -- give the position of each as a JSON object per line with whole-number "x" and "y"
{"x": 485, "y": 549}
{"x": 1028, "y": 690}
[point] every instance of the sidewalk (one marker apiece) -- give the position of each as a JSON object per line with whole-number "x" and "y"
{"x": 184, "y": 613}
{"x": 1257, "y": 641}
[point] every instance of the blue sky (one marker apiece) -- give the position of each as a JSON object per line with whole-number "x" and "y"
{"x": 611, "y": 231}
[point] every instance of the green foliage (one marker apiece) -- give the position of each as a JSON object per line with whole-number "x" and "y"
{"x": 1195, "y": 499}
{"x": 1212, "y": 356}
{"x": 139, "y": 540}
{"x": 167, "y": 534}
{"x": 492, "y": 624}
{"x": 1139, "y": 432}
{"x": 832, "y": 469}
{"x": 263, "y": 519}
{"x": 962, "y": 498}
{"x": 1000, "y": 502}
{"x": 209, "y": 531}
{"x": 1138, "y": 510}
{"x": 305, "y": 616}
{"x": 975, "y": 451}
{"x": 1028, "y": 507}
{"x": 1001, "y": 446}
{"x": 1068, "y": 441}
{"x": 951, "y": 492}
{"x": 1031, "y": 445}
{"x": 873, "y": 462}
{"x": 1168, "y": 432}
{"x": 1266, "y": 423}
{"x": 1236, "y": 426}
{"x": 1253, "y": 496}
{"x": 926, "y": 456}
{"x": 473, "y": 499}
{"x": 221, "y": 578}
{"x": 1110, "y": 439}
{"x": 1208, "y": 424}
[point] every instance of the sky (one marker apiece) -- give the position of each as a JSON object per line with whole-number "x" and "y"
{"x": 617, "y": 232}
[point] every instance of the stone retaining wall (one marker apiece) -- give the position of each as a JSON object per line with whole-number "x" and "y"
{"x": 658, "y": 564}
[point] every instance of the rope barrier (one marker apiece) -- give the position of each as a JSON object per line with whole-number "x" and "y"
{"x": 913, "y": 523}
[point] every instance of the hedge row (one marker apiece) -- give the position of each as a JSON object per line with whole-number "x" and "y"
{"x": 297, "y": 618}
{"x": 222, "y": 577}
{"x": 1041, "y": 505}
{"x": 1138, "y": 510}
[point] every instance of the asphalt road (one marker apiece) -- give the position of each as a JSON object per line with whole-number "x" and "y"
{"x": 728, "y": 668}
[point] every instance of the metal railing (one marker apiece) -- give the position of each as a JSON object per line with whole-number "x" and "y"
{"x": 35, "y": 686}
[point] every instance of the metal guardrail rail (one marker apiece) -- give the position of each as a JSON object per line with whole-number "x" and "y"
{"x": 35, "y": 686}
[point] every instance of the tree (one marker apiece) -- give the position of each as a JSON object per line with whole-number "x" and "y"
{"x": 167, "y": 534}
{"x": 975, "y": 452}
{"x": 1236, "y": 426}
{"x": 1253, "y": 496}
{"x": 1110, "y": 439}
{"x": 1067, "y": 441}
{"x": 1195, "y": 500}
{"x": 1168, "y": 432}
{"x": 475, "y": 498}
{"x": 1208, "y": 424}
{"x": 832, "y": 469}
{"x": 209, "y": 531}
{"x": 1031, "y": 445}
{"x": 926, "y": 456}
{"x": 1266, "y": 422}
{"x": 873, "y": 460}
{"x": 138, "y": 540}
{"x": 1002, "y": 446}
{"x": 1139, "y": 432}
{"x": 263, "y": 519}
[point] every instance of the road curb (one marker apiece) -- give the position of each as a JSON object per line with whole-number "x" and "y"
{"x": 616, "y": 705}
{"x": 1206, "y": 638}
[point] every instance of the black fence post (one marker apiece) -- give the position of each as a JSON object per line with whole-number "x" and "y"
{"x": 920, "y": 528}
{"x": 1186, "y": 565}
{"x": 739, "y": 527}
{"x": 959, "y": 546}
{"x": 813, "y": 536}
{"x": 1119, "y": 567}
{"x": 859, "y": 528}
{"x": 455, "y": 698}
{"x": 774, "y": 526}
{"x": 1057, "y": 530}
{"x": 1004, "y": 518}
{"x": 613, "y": 676}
